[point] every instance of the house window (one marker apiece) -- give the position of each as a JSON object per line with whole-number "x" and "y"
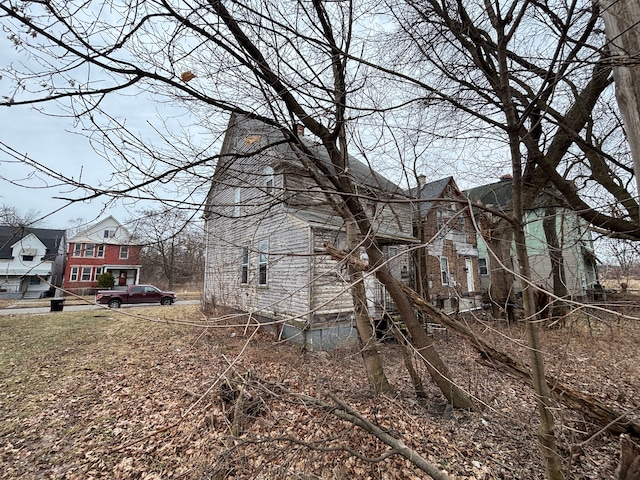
{"x": 263, "y": 250}
{"x": 439, "y": 219}
{"x": 109, "y": 234}
{"x": 98, "y": 272}
{"x": 444, "y": 270}
{"x": 33, "y": 280}
{"x": 483, "y": 268}
{"x": 27, "y": 258}
{"x": 99, "y": 251}
{"x": 244, "y": 269}
{"x": 124, "y": 252}
{"x": 86, "y": 274}
{"x": 88, "y": 250}
{"x": 77, "y": 249}
{"x": 237, "y": 197}
{"x": 269, "y": 180}
{"x": 74, "y": 274}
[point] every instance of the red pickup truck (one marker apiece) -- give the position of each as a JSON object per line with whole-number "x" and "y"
{"x": 135, "y": 294}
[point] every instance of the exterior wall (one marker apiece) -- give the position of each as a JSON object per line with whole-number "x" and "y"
{"x": 306, "y": 290}
{"x": 19, "y": 275}
{"x": 99, "y": 252}
{"x": 576, "y": 243}
{"x": 449, "y": 231}
{"x": 125, "y": 271}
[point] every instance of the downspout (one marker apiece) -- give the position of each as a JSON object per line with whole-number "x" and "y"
{"x": 310, "y": 274}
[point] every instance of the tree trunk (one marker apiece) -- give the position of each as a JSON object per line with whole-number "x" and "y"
{"x": 602, "y": 415}
{"x": 421, "y": 341}
{"x": 559, "y": 309}
{"x": 499, "y": 237}
{"x": 366, "y": 332}
{"x": 622, "y": 20}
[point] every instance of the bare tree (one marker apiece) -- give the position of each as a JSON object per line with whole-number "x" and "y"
{"x": 173, "y": 249}
{"x": 11, "y": 216}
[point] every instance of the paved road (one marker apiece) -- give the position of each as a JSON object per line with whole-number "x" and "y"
{"x": 77, "y": 308}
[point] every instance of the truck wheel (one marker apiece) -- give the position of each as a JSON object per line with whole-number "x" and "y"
{"x": 114, "y": 304}
{"x": 166, "y": 301}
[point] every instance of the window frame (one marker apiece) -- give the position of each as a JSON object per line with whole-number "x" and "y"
{"x": 445, "y": 275}
{"x": 125, "y": 249}
{"x": 77, "y": 250}
{"x": 89, "y": 248}
{"x": 96, "y": 273}
{"x": 237, "y": 199}
{"x": 263, "y": 263}
{"x": 269, "y": 183}
{"x": 73, "y": 274}
{"x": 483, "y": 264}
{"x": 86, "y": 272}
{"x": 244, "y": 266}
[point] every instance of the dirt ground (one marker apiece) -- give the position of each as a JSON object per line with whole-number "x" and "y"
{"x": 113, "y": 396}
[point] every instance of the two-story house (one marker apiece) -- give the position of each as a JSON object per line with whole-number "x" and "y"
{"x": 104, "y": 247}
{"x": 31, "y": 261}
{"x": 267, "y": 223}
{"x": 446, "y": 268}
{"x": 574, "y": 241}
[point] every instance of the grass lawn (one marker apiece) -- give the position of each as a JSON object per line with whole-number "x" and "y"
{"x": 74, "y": 386}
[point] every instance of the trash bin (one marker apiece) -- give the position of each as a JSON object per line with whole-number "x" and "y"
{"x": 57, "y": 304}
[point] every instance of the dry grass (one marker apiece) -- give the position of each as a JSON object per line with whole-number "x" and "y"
{"x": 103, "y": 394}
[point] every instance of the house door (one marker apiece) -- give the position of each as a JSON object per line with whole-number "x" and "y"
{"x": 122, "y": 279}
{"x": 468, "y": 264}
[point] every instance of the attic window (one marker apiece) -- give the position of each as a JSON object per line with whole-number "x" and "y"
{"x": 27, "y": 258}
{"x": 109, "y": 233}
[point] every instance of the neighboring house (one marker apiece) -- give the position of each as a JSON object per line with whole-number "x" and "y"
{"x": 267, "y": 223}
{"x": 104, "y": 247}
{"x": 573, "y": 234}
{"x": 446, "y": 270}
{"x": 31, "y": 261}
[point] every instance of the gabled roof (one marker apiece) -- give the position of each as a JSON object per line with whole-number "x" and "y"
{"x": 361, "y": 173}
{"x": 430, "y": 191}
{"x": 497, "y": 195}
{"x": 51, "y": 239}
{"x": 94, "y": 233}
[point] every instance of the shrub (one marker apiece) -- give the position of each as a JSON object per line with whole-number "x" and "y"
{"x": 106, "y": 280}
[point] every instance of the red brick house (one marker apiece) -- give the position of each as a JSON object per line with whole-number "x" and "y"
{"x": 447, "y": 270}
{"x": 104, "y": 247}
